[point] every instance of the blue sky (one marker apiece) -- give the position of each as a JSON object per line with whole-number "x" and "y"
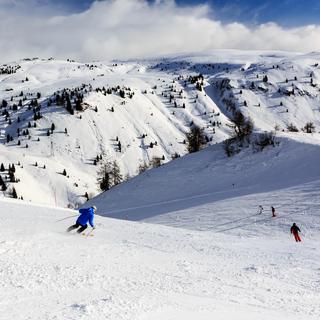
{"x": 288, "y": 13}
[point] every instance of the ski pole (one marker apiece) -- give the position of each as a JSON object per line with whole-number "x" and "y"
{"x": 67, "y": 218}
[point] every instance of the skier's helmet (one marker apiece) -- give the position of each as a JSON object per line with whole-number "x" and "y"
{"x": 94, "y": 208}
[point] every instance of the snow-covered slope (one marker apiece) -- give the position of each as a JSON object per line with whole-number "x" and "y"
{"x": 147, "y": 125}
{"x": 205, "y": 251}
{"x": 138, "y": 271}
{"x": 209, "y": 176}
{"x": 161, "y": 102}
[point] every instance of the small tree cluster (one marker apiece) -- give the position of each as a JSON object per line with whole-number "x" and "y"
{"x": 109, "y": 176}
{"x": 11, "y": 172}
{"x": 265, "y": 139}
{"x": 309, "y": 127}
{"x": 97, "y": 159}
{"x": 292, "y": 128}
{"x": 143, "y": 167}
{"x": 242, "y": 127}
{"x": 7, "y": 69}
{"x": 196, "y": 139}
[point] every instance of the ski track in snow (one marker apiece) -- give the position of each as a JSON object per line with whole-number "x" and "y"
{"x": 131, "y": 270}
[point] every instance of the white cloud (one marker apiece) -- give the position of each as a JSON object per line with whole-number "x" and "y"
{"x": 134, "y": 28}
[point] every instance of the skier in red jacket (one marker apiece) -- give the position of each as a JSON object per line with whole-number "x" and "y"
{"x": 295, "y": 231}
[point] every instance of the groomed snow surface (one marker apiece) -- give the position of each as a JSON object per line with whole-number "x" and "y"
{"x": 246, "y": 267}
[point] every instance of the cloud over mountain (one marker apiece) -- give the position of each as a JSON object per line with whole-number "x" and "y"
{"x": 135, "y": 28}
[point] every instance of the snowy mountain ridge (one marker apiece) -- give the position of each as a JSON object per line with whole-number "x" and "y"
{"x": 134, "y": 112}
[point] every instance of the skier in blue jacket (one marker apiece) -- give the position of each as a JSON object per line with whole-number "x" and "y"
{"x": 86, "y": 215}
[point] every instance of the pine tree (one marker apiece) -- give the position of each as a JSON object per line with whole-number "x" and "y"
{"x": 242, "y": 127}
{"x": 104, "y": 178}
{"x": 2, "y": 169}
{"x": 14, "y": 193}
{"x": 195, "y": 139}
{"x": 69, "y": 106}
{"x": 12, "y": 178}
{"x": 116, "y": 173}
{"x": 79, "y": 105}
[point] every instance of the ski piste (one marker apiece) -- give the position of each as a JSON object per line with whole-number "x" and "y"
{"x": 143, "y": 270}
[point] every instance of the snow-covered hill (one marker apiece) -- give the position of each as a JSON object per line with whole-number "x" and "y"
{"x": 146, "y": 125}
{"x": 197, "y": 246}
{"x": 138, "y": 271}
{"x": 193, "y": 191}
{"x": 161, "y": 101}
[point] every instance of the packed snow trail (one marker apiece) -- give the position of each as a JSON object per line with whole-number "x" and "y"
{"x": 139, "y": 271}
{"x": 209, "y": 176}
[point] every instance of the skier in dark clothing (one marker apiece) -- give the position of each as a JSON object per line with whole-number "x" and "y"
{"x": 295, "y": 231}
{"x": 273, "y": 210}
{"x": 260, "y": 210}
{"x": 86, "y": 215}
